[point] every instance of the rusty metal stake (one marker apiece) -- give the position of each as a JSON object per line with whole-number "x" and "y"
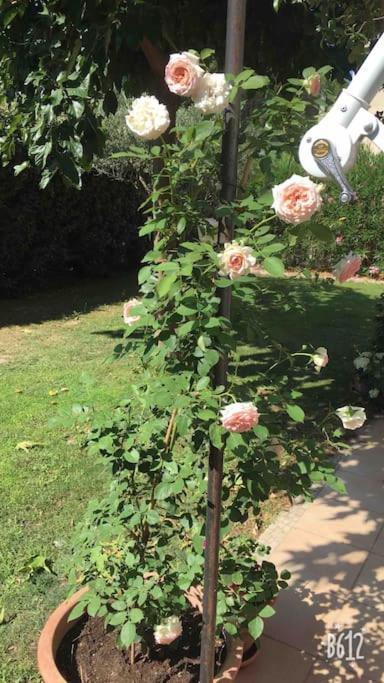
{"x": 234, "y": 54}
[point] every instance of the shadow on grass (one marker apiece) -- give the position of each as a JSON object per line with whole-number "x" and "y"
{"x": 295, "y": 312}
{"x": 64, "y": 302}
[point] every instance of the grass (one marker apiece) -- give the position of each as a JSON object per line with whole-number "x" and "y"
{"x": 52, "y": 355}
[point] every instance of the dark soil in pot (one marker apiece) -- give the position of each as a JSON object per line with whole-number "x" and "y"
{"x": 90, "y": 654}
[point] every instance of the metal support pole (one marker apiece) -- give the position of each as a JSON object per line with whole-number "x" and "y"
{"x": 234, "y": 54}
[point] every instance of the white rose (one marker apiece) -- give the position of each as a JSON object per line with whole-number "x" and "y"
{"x": 212, "y": 93}
{"x": 147, "y": 118}
{"x": 320, "y": 358}
{"x": 352, "y": 417}
{"x": 361, "y": 362}
{"x": 236, "y": 260}
{"x": 166, "y": 632}
{"x": 373, "y": 393}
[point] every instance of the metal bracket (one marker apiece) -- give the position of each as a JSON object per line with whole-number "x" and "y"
{"x": 326, "y": 158}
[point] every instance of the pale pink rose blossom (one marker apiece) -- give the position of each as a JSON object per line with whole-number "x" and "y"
{"x": 166, "y": 632}
{"x": 296, "y": 199}
{"x": 128, "y": 318}
{"x": 239, "y": 417}
{"x": 320, "y": 358}
{"x": 374, "y": 271}
{"x": 312, "y": 84}
{"x": 236, "y": 260}
{"x": 182, "y": 73}
{"x": 339, "y": 239}
{"x": 347, "y": 267}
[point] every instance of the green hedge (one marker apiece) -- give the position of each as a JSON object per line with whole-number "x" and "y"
{"x": 50, "y": 234}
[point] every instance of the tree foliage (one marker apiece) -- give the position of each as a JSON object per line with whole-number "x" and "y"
{"x": 63, "y": 62}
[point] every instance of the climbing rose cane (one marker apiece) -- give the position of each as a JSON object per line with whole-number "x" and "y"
{"x": 212, "y": 93}
{"x": 347, "y": 267}
{"x": 182, "y": 73}
{"x": 236, "y": 260}
{"x": 320, "y": 358}
{"x": 239, "y": 417}
{"x": 168, "y": 631}
{"x": 352, "y": 417}
{"x": 296, "y": 199}
{"x": 147, "y": 118}
{"x": 128, "y": 318}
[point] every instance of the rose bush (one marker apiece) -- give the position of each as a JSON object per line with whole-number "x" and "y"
{"x": 141, "y": 548}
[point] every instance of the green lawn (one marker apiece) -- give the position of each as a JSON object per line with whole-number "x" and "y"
{"x": 60, "y": 340}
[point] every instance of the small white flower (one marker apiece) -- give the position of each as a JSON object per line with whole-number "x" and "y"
{"x": 320, "y": 358}
{"x": 166, "y": 632}
{"x": 361, "y": 362}
{"x": 130, "y": 319}
{"x": 352, "y": 417}
{"x": 379, "y": 356}
{"x": 212, "y": 93}
{"x": 147, "y": 117}
{"x": 373, "y": 393}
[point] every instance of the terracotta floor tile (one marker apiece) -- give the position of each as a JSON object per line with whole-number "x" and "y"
{"x": 363, "y": 492}
{"x": 362, "y": 624}
{"x": 277, "y": 663}
{"x": 324, "y": 672}
{"x": 304, "y": 618}
{"x": 317, "y": 560}
{"x": 378, "y": 548}
{"x": 339, "y": 521}
{"x": 366, "y": 460}
{"x": 370, "y": 583}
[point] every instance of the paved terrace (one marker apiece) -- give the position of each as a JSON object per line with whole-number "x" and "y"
{"x": 334, "y": 548}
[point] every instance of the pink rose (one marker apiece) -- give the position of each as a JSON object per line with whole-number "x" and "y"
{"x": 374, "y": 271}
{"x": 313, "y": 85}
{"x": 166, "y": 632}
{"x": 236, "y": 260}
{"x": 128, "y": 318}
{"x": 320, "y": 358}
{"x": 339, "y": 239}
{"x": 182, "y": 73}
{"x": 296, "y": 199}
{"x": 347, "y": 267}
{"x": 239, "y": 417}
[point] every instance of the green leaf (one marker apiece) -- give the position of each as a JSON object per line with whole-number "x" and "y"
{"x": 118, "y": 618}
{"x": 77, "y": 611}
{"x": 128, "y": 634}
{"x": 256, "y": 627}
{"x": 261, "y": 432}
{"x": 266, "y": 612}
{"x": 207, "y": 52}
{"x": 185, "y": 328}
{"x": 255, "y": 82}
{"x": 163, "y": 490}
{"x": 296, "y": 413}
{"x": 322, "y": 232}
{"x": 215, "y": 435}
{"x": 93, "y": 605}
{"x": 165, "y": 284}
{"x": 274, "y": 266}
{"x": 136, "y": 615}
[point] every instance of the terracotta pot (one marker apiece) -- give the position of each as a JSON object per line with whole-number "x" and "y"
{"x": 51, "y": 636}
{"x": 251, "y": 648}
{"x": 58, "y": 626}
